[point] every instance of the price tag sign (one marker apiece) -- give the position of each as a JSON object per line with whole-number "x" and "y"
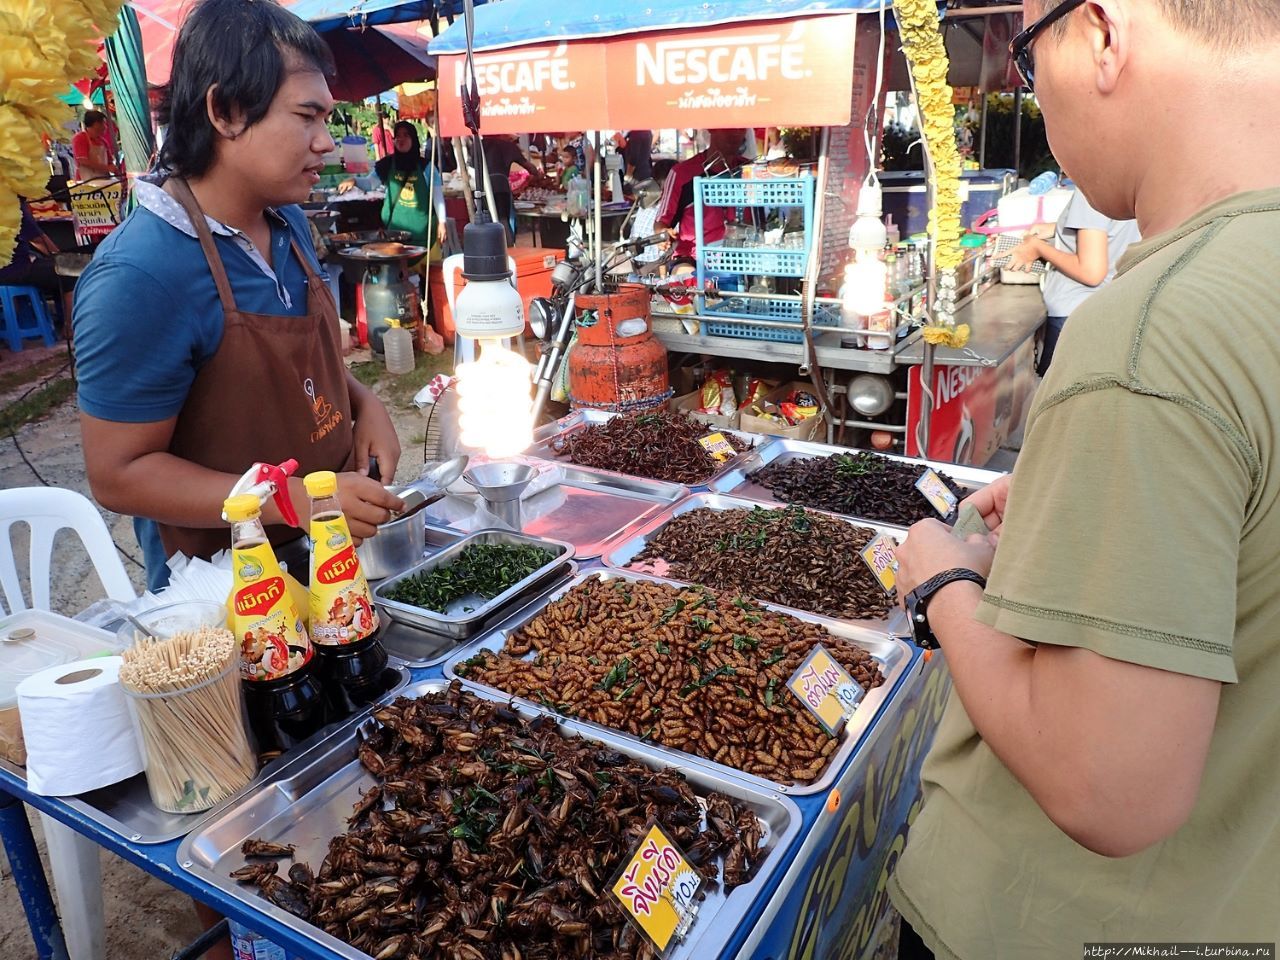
{"x": 719, "y": 448}
{"x": 657, "y": 889}
{"x": 826, "y": 689}
{"x": 879, "y": 555}
{"x": 937, "y": 493}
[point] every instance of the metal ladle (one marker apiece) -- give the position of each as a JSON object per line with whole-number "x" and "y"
{"x": 436, "y": 479}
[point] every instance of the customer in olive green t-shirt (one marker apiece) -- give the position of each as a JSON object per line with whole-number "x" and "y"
{"x": 1108, "y": 767}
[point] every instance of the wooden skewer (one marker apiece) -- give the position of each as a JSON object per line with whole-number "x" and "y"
{"x": 187, "y": 700}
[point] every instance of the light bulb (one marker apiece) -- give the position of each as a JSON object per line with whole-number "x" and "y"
{"x": 865, "y": 280}
{"x": 495, "y": 410}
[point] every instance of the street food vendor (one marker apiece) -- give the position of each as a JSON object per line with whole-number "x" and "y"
{"x": 675, "y": 210}
{"x": 411, "y": 203}
{"x": 206, "y": 338}
{"x": 91, "y": 147}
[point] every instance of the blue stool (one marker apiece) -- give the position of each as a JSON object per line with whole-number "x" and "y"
{"x": 18, "y": 324}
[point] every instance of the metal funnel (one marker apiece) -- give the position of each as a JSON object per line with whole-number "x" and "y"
{"x": 501, "y": 485}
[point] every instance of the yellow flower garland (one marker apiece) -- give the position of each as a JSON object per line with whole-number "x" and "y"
{"x": 927, "y": 55}
{"x": 45, "y": 46}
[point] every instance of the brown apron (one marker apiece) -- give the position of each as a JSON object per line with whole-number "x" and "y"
{"x": 276, "y": 389}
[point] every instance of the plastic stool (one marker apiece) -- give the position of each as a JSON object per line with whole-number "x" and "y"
{"x": 14, "y": 326}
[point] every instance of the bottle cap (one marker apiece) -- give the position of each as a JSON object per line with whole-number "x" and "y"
{"x": 322, "y": 483}
{"x": 484, "y": 252}
{"x": 243, "y": 506}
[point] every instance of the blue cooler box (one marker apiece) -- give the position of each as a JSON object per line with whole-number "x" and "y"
{"x": 905, "y": 200}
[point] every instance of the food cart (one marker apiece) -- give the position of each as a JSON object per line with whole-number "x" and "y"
{"x": 617, "y": 65}
{"x": 819, "y": 887}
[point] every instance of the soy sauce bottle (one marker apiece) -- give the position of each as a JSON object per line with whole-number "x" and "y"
{"x": 344, "y": 623}
{"x": 282, "y": 693}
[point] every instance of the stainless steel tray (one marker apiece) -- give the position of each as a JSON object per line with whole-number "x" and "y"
{"x": 580, "y": 419}
{"x": 736, "y": 480}
{"x": 308, "y": 801}
{"x": 586, "y": 508}
{"x": 892, "y": 654}
{"x": 419, "y": 648}
{"x": 469, "y": 615}
{"x": 126, "y": 809}
{"x": 622, "y": 550}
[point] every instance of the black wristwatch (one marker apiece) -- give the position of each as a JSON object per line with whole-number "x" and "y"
{"x": 918, "y": 603}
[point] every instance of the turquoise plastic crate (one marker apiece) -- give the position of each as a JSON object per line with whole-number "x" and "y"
{"x": 772, "y": 309}
{"x": 726, "y": 192}
{"x": 760, "y": 261}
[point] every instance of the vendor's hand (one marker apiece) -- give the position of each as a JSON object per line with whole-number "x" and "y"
{"x": 1024, "y": 256}
{"x": 441, "y": 232}
{"x": 931, "y": 548}
{"x": 376, "y": 437}
{"x": 366, "y": 504}
{"x": 346, "y": 186}
{"x": 990, "y": 502}
{"x": 1044, "y": 231}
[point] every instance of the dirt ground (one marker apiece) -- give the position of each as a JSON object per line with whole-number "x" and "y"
{"x": 146, "y": 919}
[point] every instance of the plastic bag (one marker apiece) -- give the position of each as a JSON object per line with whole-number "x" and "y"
{"x": 716, "y": 396}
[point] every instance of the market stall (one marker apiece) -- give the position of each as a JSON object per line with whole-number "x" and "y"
{"x": 747, "y": 64}
{"x": 808, "y": 817}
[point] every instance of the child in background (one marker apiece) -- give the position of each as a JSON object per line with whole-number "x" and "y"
{"x": 569, "y": 157}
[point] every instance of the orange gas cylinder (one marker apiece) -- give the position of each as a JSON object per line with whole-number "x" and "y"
{"x": 617, "y": 364}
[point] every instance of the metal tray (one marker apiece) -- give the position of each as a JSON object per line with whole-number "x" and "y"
{"x": 126, "y": 809}
{"x": 586, "y": 508}
{"x": 736, "y": 480}
{"x": 419, "y": 649}
{"x": 892, "y": 654}
{"x": 308, "y": 801}
{"x": 579, "y": 419}
{"x": 621, "y": 551}
{"x": 469, "y": 615}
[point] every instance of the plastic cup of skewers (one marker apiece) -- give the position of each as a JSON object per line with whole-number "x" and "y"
{"x": 187, "y": 705}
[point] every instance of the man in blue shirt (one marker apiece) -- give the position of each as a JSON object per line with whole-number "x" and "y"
{"x": 205, "y": 337}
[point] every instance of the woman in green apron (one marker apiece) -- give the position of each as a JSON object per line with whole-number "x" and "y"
{"x": 415, "y": 192}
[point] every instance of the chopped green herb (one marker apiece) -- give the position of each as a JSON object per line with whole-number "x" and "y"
{"x": 617, "y": 674}
{"x": 741, "y": 642}
{"x": 483, "y": 569}
{"x": 662, "y": 648}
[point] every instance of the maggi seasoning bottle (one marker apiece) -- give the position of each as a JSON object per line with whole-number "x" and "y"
{"x": 344, "y": 623}
{"x": 282, "y": 693}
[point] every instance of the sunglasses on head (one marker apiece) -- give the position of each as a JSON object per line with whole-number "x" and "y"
{"x": 1020, "y": 48}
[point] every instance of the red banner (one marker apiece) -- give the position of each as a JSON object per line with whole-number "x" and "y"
{"x": 529, "y": 90}
{"x": 976, "y": 408}
{"x": 772, "y": 73}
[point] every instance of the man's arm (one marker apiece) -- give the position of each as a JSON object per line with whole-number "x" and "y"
{"x": 1105, "y": 714}
{"x": 1112, "y": 752}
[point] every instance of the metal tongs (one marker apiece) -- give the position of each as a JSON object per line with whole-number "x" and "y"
{"x": 434, "y": 480}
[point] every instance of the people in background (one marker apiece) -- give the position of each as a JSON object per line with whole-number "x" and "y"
{"x": 90, "y": 147}
{"x": 1083, "y": 254}
{"x": 414, "y": 200}
{"x": 637, "y": 155}
{"x": 381, "y": 135}
{"x": 569, "y": 166}
{"x": 32, "y": 262}
{"x": 675, "y": 211}
{"x": 501, "y": 153}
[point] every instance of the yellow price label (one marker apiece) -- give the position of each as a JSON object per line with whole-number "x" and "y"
{"x": 937, "y": 493}
{"x": 880, "y": 556}
{"x": 719, "y": 448}
{"x": 657, "y": 889}
{"x": 827, "y": 689}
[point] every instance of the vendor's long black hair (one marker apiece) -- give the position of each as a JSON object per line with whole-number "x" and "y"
{"x": 245, "y": 48}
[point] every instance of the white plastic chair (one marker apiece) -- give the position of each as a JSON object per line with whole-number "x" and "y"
{"x": 73, "y": 859}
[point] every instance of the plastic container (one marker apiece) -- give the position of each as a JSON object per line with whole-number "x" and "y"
{"x": 171, "y": 618}
{"x": 194, "y": 744}
{"x": 397, "y": 349}
{"x": 248, "y": 945}
{"x": 31, "y": 641}
{"x": 355, "y": 154}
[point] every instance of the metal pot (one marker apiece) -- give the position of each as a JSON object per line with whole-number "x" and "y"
{"x": 398, "y": 546}
{"x": 401, "y": 542}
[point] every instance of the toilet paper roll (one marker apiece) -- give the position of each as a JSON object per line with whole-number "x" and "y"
{"x": 77, "y": 728}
